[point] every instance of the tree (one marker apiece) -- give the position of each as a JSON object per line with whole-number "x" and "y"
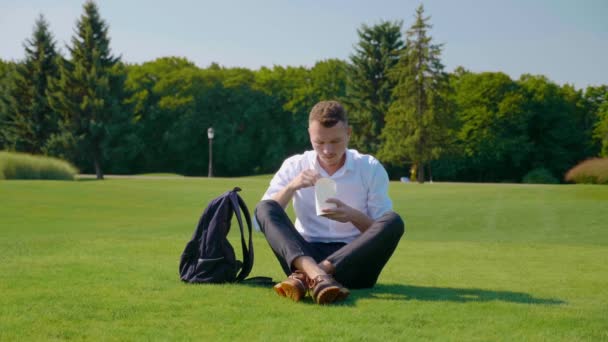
{"x": 7, "y": 70}
{"x": 492, "y": 138}
{"x": 161, "y": 91}
{"x": 88, "y": 93}
{"x": 585, "y": 116}
{"x": 290, "y": 89}
{"x": 554, "y": 127}
{"x": 175, "y": 103}
{"x": 369, "y": 85}
{"x": 597, "y": 97}
{"x": 30, "y": 117}
{"x": 597, "y": 104}
{"x": 326, "y": 80}
{"x": 418, "y": 121}
{"x": 601, "y": 129}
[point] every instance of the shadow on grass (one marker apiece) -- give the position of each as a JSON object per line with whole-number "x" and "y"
{"x": 433, "y": 294}
{"x": 448, "y": 294}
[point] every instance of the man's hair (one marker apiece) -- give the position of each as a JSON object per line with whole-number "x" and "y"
{"x": 328, "y": 113}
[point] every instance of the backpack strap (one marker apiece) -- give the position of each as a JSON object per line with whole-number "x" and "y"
{"x": 237, "y": 205}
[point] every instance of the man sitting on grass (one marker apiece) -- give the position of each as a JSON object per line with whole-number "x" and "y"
{"x": 346, "y": 246}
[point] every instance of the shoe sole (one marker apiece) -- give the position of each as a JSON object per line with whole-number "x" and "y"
{"x": 342, "y": 295}
{"x": 329, "y": 295}
{"x": 279, "y": 290}
{"x": 288, "y": 290}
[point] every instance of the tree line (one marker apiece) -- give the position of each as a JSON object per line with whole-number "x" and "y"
{"x": 108, "y": 116}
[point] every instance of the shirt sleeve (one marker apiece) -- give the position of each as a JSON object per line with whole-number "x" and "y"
{"x": 378, "y": 202}
{"x": 280, "y": 179}
{"x": 278, "y": 182}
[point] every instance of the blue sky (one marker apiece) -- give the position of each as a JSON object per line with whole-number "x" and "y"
{"x": 566, "y": 41}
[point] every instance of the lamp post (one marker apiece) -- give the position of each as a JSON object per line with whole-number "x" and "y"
{"x": 210, "y": 135}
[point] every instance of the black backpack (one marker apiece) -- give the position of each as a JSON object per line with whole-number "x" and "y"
{"x": 209, "y": 257}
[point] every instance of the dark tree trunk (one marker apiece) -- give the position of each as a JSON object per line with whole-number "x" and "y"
{"x": 97, "y": 163}
{"x": 420, "y": 174}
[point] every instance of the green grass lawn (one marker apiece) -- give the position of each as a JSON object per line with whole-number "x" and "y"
{"x": 99, "y": 260}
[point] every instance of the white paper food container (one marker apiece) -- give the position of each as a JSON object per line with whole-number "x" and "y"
{"x": 324, "y": 188}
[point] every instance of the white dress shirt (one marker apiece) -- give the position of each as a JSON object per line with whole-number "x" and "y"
{"x": 362, "y": 183}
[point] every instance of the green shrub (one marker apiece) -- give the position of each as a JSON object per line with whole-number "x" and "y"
{"x": 540, "y": 176}
{"x": 591, "y": 171}
{"x": 26, "y": 166}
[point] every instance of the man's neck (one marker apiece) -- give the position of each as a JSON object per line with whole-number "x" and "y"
{"x": 331, "y": 169}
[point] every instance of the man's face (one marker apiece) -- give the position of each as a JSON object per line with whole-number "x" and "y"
{"x": 329, "y": 142}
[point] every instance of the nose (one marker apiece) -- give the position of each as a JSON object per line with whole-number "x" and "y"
{"x": 329, "y": 149}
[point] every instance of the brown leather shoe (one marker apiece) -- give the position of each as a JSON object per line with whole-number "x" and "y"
{"x": 325, "y": 289}
{"x": 294, "y": 287}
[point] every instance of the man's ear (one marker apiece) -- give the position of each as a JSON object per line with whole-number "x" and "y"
{"x": 309, "y": 137}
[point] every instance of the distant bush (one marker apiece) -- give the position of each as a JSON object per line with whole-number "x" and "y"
{"x": 591, "y": 171}
{"x": 540, "y": 176}
{"x": 27, "y": 166}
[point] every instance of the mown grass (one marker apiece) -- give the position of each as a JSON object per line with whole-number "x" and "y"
{"x": 160, "y": 174}
{"x": 14, "y": 165}
{"x": 98, "y": 260}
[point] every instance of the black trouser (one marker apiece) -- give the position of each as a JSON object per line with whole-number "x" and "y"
{"x": 358, "y": 263}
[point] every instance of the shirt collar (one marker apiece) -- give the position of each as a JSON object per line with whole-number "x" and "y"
{"x": 349, "y": 164}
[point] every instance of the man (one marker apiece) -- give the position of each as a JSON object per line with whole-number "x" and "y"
{"x": 349, "y": 244}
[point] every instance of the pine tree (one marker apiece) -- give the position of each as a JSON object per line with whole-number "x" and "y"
{"x": 89, "y": 92}
{"x": 7, "y": 70}
{"x": 31, "y": 120}
{"x": 418, "y": 120}
{"x": 369, "y": 86}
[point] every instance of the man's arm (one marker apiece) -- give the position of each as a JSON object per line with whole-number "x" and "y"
{"x": 360, "y": 220}
{"x": 378, "y": 203}
{"x": 284, "y": 196}
{"x": 344, "y": 213}
{"x": 305, "y": 179}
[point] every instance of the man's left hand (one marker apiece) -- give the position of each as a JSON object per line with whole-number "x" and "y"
{"x": 342, "y": 212}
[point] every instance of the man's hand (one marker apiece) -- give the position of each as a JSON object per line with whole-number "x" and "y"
{"x": 305, "y": 179}
{"x": 343, "y": 213}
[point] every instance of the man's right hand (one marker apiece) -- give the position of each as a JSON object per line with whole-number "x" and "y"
{"x": 305, "y": 179}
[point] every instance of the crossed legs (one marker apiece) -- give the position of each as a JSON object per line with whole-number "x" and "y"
{"x": 356, "y": 265}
